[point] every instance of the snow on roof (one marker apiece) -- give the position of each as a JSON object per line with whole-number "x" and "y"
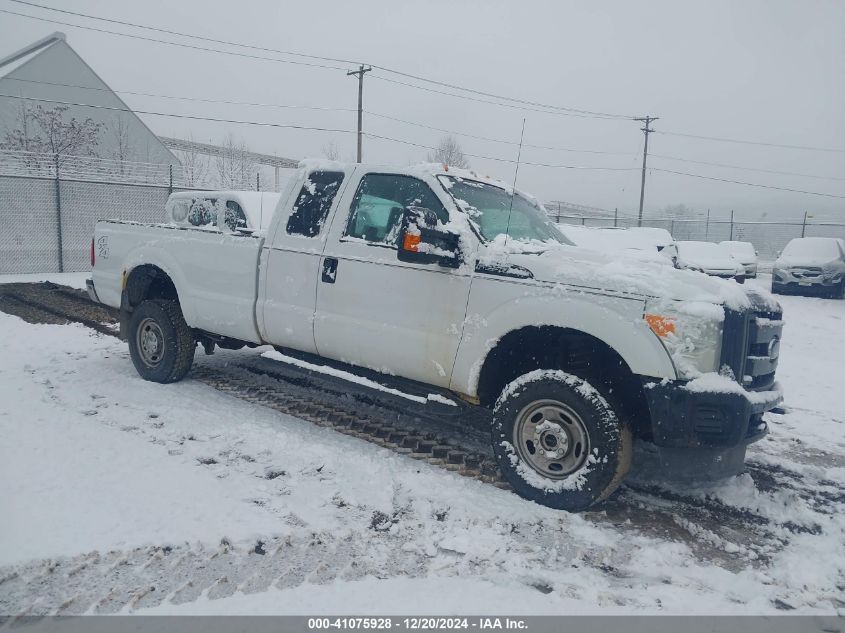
{"x": 12, "y": 62}
{"x": 420, "y": 170}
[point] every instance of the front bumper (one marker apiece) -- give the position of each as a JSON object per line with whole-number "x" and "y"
{"x": 803, "y": 280}
{"x": 92, "y": 292}
{"x": 686, "y": 419}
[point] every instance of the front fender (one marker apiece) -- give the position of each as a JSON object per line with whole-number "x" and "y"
{"x": 616, "y": 321}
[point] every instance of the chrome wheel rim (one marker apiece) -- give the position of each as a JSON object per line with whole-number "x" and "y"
{"x": 150, "y": 342}
{"x": 551, "y": 438}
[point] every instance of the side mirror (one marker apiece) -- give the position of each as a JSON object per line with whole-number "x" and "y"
{"x": 423, "y": 242}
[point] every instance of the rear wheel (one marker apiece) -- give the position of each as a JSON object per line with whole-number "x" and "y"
{"x": 558, "y": 441}
{"x": 160, "y": 342}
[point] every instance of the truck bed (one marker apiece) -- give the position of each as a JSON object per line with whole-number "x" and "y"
{"x": 215, "y": 274}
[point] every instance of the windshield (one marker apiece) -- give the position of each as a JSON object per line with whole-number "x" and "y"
{"x": 814, "y": 247}
{"x": 707, "y": 250}
{"x": 495, "y": 212}
{"x": 741, "y": 249}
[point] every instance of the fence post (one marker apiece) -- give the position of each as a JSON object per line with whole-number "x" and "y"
{"x": 257, "y": 181}
{"x": 59, "y": 215}
{"x": 170, "y": 187}
{"x": 672, "y": 225}
{"x": 615, "y": 216}
{"x": 583, "y": 220}
{"x": 804, "y": 225}
{"x": 707, "y": 227}
{"x": 732, "y": 225}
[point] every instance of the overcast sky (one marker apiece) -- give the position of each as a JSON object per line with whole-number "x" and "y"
{"x": 751, "y": 70}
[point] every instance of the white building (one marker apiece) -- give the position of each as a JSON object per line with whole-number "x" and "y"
{"x": 50, "y": 74}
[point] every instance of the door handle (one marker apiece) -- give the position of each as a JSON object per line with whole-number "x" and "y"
{"x": 329, "y": 270}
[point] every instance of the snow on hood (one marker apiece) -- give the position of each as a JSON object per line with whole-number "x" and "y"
{"x": 800, "y": 261}
{"x": 559, "y": 263}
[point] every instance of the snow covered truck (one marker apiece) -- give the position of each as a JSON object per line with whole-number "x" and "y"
{"x": 457, "y": 281}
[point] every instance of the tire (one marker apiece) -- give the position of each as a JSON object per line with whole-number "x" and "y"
{"x": 160, "y": 342}
{"x": 572, "y": 412}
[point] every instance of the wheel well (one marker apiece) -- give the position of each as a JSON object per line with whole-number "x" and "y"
{"x": 551, "y": 347}
{"x": 148, "y": 282}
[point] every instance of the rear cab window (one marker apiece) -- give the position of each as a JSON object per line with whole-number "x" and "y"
{"x": 313, "y": 203}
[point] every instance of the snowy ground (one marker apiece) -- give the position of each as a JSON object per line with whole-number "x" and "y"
{"x": 122, "y": 495}
{"x": 73, "y": 280}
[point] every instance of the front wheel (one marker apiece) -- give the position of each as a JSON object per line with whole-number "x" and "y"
{"x": 558, "y": 442}
{"x": 160, "y": 342}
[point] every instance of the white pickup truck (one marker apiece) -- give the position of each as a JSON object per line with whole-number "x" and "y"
{"x": 454, "y": 280}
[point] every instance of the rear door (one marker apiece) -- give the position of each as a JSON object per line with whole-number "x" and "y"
{"x": 292, "y": 261}
{"x": 375, "y": 311}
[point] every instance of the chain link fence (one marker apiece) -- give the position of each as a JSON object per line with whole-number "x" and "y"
{"x": 50, "y": 204}
{"x": 769, "y": 238}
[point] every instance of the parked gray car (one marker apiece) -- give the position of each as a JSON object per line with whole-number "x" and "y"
{"x": 811, "y": 265}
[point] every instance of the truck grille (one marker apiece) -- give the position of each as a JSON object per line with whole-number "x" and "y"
{"x": 751, "y": 346}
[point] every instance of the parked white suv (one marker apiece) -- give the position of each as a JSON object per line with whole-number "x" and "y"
{"x": 811, "y": 265}
{"x": 453, "y": 280}
{"x": 744, "y": 253}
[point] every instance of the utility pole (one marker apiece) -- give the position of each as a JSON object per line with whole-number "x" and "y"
{"x": 732, "y": 225}
{"x": 360, "y": 72}
{"x": 646, "y": 130}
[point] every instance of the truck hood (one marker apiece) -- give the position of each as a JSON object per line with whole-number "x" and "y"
{"x": 618, "y": 273}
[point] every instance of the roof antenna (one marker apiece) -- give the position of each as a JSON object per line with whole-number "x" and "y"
{"x": 515, "y": 174}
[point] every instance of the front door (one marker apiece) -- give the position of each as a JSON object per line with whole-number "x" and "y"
{"x": 375, "y": 311}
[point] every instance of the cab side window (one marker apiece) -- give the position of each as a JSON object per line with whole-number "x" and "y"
{"x": 234, "y": 217}
{"x": 376, "y": 211}
{"x": 313, "y": 203}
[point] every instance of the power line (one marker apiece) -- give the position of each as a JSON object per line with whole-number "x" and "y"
{"x": 182, "y": 98}
{"x": 488, "y": 138}
{"x": 179, "y": 44}
{"x": 766, "y": 171}
{"x": 733, "y": 140}
{"x": 496, "y": 103}
{"x": 184, "y": 116}
{"x": 289, "y": 126}
{"x": 395, "y": 140}
{"x": 321, "y": 58}
{"x": 318, "y": 108}
{"x": 749, "y": 184}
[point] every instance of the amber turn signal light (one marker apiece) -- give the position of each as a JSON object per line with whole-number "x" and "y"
{"x": 660, "y": 325}
{"x": 411, "y": 242}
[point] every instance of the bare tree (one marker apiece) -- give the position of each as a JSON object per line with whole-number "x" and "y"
{"x": 331, "y": 151}
{"x": 47, "y": 131}
{"x": 235, "y": 167}
{"x": 449, "y": 152}
{"x": 194, "y": 166}
{"x": 122, "y": 150}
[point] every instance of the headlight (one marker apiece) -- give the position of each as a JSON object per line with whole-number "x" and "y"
{"x": 691, "y": 331}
